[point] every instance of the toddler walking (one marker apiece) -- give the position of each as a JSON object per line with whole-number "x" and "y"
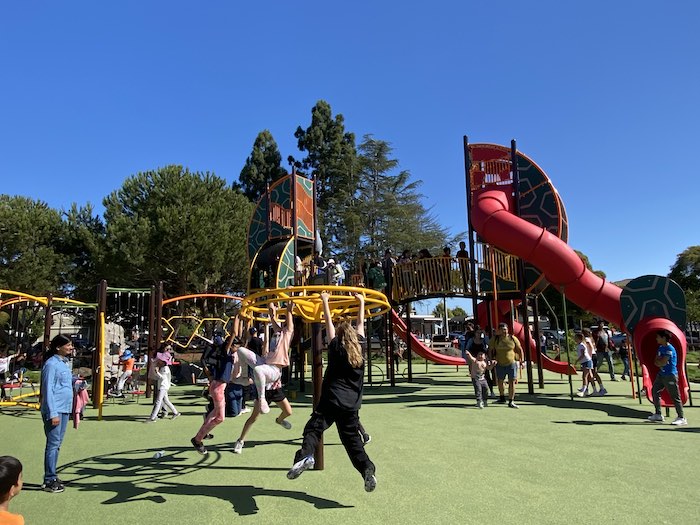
{"x": 477, "y": 367}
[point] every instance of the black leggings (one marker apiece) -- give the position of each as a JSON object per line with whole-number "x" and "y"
{"x": 348, "y": 426}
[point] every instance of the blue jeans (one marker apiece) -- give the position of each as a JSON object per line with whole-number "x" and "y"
{"x": 626, "y": 363}
{"x": 54, "y": 438}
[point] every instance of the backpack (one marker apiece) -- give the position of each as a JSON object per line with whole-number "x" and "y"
{"x": 214, "y": 359}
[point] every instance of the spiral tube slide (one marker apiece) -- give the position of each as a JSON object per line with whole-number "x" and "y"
{"x": 493, "y": 220}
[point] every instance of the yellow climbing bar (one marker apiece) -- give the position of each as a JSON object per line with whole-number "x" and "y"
{"x": 308, "y": 305}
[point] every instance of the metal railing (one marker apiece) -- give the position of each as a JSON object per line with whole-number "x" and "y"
{"x": 446, "y": 276}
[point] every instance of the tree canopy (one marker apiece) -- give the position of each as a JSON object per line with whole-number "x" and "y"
{"x": 261, "y": 168}
{"x": 389, "y": 205}
{"x": 184, "y": 228}
{"x": 686, "y": 272}
{"x": 32, "y": 252}
{"x": 330, "y": 160}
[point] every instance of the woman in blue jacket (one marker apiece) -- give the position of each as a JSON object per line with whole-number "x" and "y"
{"x": 56, "y": 404}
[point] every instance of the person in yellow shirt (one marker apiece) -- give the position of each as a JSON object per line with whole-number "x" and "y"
{"x": 508, "y": 354}
{"x": 10, "y": 486}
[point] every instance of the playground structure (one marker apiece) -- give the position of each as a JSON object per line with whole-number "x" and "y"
{"x": 518, "y": 231}
{"x": 511, "y": 204}
{"x": 33, "y": 320}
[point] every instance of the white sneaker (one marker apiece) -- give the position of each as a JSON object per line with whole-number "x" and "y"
{"x": 480, "y": 404}
{"x": 300, "y": 466}
{"x": 244, "y": 410}
{"x": 284, "y": 423}
{"x": 582, "y": 389}
{"x": 581, "y": 393}
{"x": 680, "y": 421}
{"x": 238, "y": 447}
{"x": 656, "y": 418}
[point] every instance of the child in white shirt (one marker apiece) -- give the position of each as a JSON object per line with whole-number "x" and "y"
{"x": 162, "y": 373}
{"x": 584, "y": 358}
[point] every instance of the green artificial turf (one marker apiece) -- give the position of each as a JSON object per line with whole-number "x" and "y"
{"x": 438, "y": 458}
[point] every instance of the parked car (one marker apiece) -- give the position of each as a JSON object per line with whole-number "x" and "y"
{"x": 553, "y": 337}
{"x": 617, "y": 338}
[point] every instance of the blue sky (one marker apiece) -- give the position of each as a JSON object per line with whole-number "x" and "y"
{"x": 602, "y": 95}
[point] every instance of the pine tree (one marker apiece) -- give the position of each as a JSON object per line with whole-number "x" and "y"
{"x": 390, "y": 205}
{"x": 262, "y": 167}
{"x": 330, "y": 159}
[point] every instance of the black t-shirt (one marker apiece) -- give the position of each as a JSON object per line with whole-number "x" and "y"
{"x": 342, "y": 383}
{"x": 256, "y": 345}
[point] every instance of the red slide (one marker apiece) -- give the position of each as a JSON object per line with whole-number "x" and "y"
{"x": 419, "y": 348}
{"x": 493, "y": 220}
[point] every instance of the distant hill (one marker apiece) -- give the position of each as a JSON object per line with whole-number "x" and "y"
{"x": 622, "y": 283}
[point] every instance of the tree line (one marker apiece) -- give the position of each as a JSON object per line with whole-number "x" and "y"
{"x": 188, "y": 229}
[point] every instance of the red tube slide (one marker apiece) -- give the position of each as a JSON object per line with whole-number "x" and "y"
{"x": 419, "y": 348}
{"x": 493, "y": 220}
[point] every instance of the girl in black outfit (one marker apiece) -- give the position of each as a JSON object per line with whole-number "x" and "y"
{"x": 341, "y": 397}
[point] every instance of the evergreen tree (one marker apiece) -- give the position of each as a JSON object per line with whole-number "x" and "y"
{"x": 187, "y": 229}
{"x": 390, "y": 205}
{"x": 85, "y": 245}
{"x": 32, "y": 256}
{"x": 262, "y": 167}
{"x": 330, "y": 159}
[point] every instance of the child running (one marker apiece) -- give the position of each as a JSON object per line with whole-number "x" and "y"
{"x": 161, "y": 371}
{"x": 10, "y": 486}
{"x": 341, "y": 397}
{"x": 584, "y": 358}
{"x": 478, "y": 368}
{"x": 221, "y": 368}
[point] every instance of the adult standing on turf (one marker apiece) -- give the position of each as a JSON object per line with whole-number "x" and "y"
{"x": 601, "y": 344}
{"x": 666, "y": 378}
{"x": 509, "y": 354}
{"x": 341, "y": 397}
{"x": 56, "y": 403}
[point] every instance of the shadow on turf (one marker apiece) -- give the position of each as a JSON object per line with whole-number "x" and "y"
{"x": 684, "y": 430}
{"x": 612, "y": 410}
{"x": 136, "y": 475}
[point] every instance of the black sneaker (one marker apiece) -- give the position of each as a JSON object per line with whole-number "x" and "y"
{"x": 53, "y": 486}
{"x": 366, "y": 438}
{"x": 511, "y": 404}
{"x": 370, "y": 479}
{"x": 199, "y": 447}
{"x": 209, "y": 436}
{"x": 500, "y": 401}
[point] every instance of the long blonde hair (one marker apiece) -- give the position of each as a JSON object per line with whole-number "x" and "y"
{"x": 348, "y": 338}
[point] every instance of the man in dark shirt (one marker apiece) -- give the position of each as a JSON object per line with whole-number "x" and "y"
{"x": 255, "y": 343}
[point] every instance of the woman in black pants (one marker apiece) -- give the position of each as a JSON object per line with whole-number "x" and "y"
{"x": 341, "y": 397}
